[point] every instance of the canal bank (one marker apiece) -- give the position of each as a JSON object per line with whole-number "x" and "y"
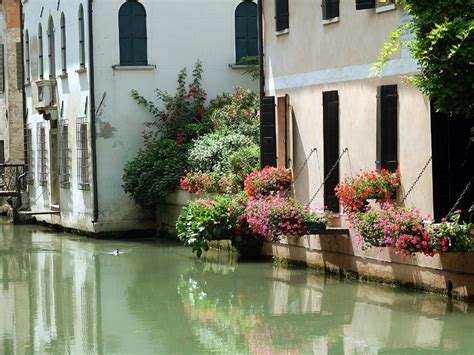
{"x": 68, "y": 294}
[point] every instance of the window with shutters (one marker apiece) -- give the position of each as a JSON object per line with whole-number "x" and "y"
{"x": 30, "y": 154}
{"x": 27, "y": 57}
{"x": 82, "y": 146}
{"x": 40, "y": 52}
{"x": 64, "y": 153}
{"x": 268, "y": 154}
{"x": 387, "y": 127}
{"x": 51, "y": 52}
{"x": 2, "y": 152}
{"x": 330, "y": 9}
{"x": 132, "y": 33}
{"x": 282, "y": 15}
{"x": 365, "y": 4}
{"x": 63, "y": 45}
{"x": 246, "y": 31}
{"x": 2, "y": 68}
{"x": 42, "y": 153}
{"x": 82, "y": 45}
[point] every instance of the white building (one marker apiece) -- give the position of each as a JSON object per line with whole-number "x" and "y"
{"x": 82, "y": 59}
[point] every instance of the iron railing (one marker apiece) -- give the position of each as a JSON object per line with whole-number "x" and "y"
{"x": 12, "y": 179}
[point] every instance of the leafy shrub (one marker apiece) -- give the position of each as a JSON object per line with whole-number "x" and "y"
{"x": 268, "y": 181}
{"x": 353, "y": 192}
{"x": 244, "y": 161}
{"x": 451, "y": 235}
{"x": 205, "y": 219}
{"x": 183, "y": 116}
{"x": 211, "y": 152}
{"x": 155, "y": 171}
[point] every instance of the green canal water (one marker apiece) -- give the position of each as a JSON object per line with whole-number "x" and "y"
{"x": 65, "y": 294}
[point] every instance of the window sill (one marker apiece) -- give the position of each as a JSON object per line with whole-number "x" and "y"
{"x": 330, "y": 20}
{"x": 27, "y": 84}
{"x": 385, "y": 8}
{"x": 84, "y": 187}
{"x": 242, "y": 66}
{"x": 133, "y": 67}
{"x": 81, "y": 70}
{"x": 282, "y": 32}
{"x": 62, "y": 76}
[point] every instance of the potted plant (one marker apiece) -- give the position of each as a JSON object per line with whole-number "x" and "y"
{"x": 315, "y": 221}
{"x": 452, "y": 234}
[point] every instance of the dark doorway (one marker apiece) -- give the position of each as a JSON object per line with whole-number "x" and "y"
{"x": 453, "y": 163}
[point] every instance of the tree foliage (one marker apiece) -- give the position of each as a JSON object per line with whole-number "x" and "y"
{"x": 442, "y": 42}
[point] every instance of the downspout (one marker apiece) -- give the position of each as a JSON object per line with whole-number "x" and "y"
{"x": 95, "y": 211}
{"x": 261, "y": 67}
{"x": 23, "y": 94}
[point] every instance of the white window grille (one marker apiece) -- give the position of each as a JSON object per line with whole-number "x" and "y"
{"x": 30, "y": 156}
{"x": 64, "y": 169}
{"x": 82, "y": 146}
{"x": 42, "y": 153}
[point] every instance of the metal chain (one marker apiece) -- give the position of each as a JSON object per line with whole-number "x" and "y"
{"x": 327, "y": 176}
{"x": 304, "y": 164}
{"x": 416, "y": 181}
{"x": 460, "y": 197}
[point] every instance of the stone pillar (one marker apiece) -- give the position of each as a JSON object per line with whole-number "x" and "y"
{"x": 14, "y": 81}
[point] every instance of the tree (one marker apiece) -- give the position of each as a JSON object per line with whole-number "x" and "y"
{"x": 442, "y": 42}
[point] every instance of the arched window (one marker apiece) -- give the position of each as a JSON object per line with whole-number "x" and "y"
{"x": 27, "y": 56}
{"x": 40, "y": 51}
{"x": 246, "y": 32}
{"x": 132, "y": 31}
{"x": 51, "y": 52}
{"x": 82, "y": 47}
{"x": 63, "y": 44}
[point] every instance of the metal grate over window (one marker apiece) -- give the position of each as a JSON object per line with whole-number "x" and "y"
{"x": 64, "y": 167}
{"x": 42, "y": 153}
{"x": 82, "y": 145}
{"x": 30, "y": 156}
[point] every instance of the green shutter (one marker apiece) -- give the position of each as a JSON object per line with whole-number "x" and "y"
{"x": 2, "y": 68}
{"x": 133, "y": 34}
{"x": 387, "y": 127}
{"x": 268, "y": 132}
{"x": 246, "y": 33}
{"x": 282, "y": 15}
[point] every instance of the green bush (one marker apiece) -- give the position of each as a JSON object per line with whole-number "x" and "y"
{"x": 155, "y": 171}
{"x": 211, "y": 152}
{"x": 205, "y": 219}
{"x": 245, "y": 161}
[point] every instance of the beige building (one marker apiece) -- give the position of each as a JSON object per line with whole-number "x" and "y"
{"x": 317, "y": 58}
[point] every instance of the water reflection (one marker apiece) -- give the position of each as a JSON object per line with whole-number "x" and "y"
{"x": 63, "y": 294}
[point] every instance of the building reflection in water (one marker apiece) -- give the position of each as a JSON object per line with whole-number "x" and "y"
{"x": 69, "y": 295}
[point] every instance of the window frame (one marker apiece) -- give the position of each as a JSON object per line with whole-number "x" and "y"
{"x": 27, "y": 57}
{"x": 82, "y": 153}
{"x": 327, "y": 16}
{"x": 134, "y": 62}
{"x": 64, "y": 154}
{"x": 285, "y": 17}
{"x": 42, "y": 154}
{"x": 40, "y": 52}
{"x": 63, "y": 44}
{"x": 82, "y": 46}
{"x": 51, "y": 49}
{"x": 237, "y": 59}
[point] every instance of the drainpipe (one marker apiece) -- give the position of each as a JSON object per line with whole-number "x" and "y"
{"x": 23, "y": 95}
{"x": 261, "y": 68}
{"x": 95, "y": 211}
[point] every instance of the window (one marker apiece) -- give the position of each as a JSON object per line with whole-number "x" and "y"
{"x": 268, "y": 148}
{"x": 132, "y": 32}
{"x": 387, "y": 127}
{"x": 246, "y": 32}
{"x": 40, "y": 51}
{"x": 2, "y": 152}
{"x": 64, "y": 153}
{"x": 365, "y": 4}
{"x": 330, "y": 9}
{"x": 51, "y": 52}
{"x": 42, "y": 152}
{"x": 82, "y": 145}
{"x": 29, "y": 162}
{"x": 82, "y": 47}
{"x": 63, "y": 45}
{"x": 282, "y": 15}
{"x": 27, "y": 56}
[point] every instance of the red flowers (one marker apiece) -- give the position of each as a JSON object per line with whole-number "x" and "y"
{"x": 353, "y": 192}
{"x": 268, "y": 181}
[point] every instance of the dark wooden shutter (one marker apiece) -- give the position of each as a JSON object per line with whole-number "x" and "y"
{"x": 19, "y": 66}
{"x": 2, "y": 152}
{"x": 282, "y": 15}
{"x": 330, "y": 9}
{"x": 132, "y": 34}
{"x": 331, "y": 147}
{"x": 365, "y": 4}
{"x": 2, "y": 68}
{"x": 268, "y": 132}
{"x": 246, "y": 32}
{"x": 387, "y": 127}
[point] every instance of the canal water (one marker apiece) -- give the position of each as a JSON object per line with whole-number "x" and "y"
{"x": 65, "y": 294}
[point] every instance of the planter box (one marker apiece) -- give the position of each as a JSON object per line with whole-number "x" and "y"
{"x": 335, "y": 251}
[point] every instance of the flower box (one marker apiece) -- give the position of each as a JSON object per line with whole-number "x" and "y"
{"x": 314, "y": 227}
